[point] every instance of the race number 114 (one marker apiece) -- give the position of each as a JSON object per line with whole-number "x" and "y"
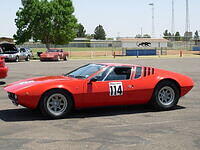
{"x": 116, "y": 88}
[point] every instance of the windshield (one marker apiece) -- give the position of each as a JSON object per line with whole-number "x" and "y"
{"x": 85, "y": 71}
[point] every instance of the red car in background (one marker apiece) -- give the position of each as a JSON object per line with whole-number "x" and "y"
{"x": 54, "y": 54}
{"x": 3, "y": 68}
{"x": 97, "y": 85}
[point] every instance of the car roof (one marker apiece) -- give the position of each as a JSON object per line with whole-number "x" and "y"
{"x": 118, "y": 64}
{"x": 55, "y": 48}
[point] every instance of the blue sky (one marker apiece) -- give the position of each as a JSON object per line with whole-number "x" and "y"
{"x": 124, "y": 17}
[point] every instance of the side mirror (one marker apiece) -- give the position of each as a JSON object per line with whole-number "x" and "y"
{"x": 94, "y": 79}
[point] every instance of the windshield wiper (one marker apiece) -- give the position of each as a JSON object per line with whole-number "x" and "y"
{"x": 67, "y": 75}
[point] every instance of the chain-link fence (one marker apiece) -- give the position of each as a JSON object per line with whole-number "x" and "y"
{"x": 110, "y": 48}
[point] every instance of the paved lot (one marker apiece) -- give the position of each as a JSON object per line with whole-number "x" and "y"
{"x": 133, "y": 127}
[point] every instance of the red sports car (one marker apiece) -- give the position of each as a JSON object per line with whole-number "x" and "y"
{"x": 3, "y": 68}
{"x": 96, "y": 85}
{"x": 54, "y": 55}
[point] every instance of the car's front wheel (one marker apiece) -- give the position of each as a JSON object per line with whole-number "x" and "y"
{"x": 27, "y": 58}
{"x": 65, "y": 58}
{"x": 166, "y": 95}
{"x": 56, "y": 104}
{"x": 58, "y": 58}
{"x": 17, "y": 59}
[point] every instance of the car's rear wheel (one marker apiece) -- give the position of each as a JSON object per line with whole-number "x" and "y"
{"x": 166, "y": 95}
{"x": 56, "y": 104}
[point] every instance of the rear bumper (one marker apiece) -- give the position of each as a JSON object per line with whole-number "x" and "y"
{"x": 3, "y": 72}
{"x": 10, "y": 58}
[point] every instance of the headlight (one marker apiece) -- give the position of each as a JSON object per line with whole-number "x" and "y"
{"x": 12, "y": 96}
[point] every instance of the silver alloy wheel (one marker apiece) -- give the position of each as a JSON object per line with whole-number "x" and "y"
{"x": 166, "y": 95}
{"x": 57, "y": 104}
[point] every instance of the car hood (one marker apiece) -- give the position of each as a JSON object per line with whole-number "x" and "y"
{"x": 22, "y": 84}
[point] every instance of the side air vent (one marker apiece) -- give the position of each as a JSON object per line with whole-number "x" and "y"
{"x": 153, "y": 70}
{"x": 148, "y": 71}
{"x": 145, "y": 71}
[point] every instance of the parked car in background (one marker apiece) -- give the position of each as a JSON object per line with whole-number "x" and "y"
{"x": 54, "y": 54}
{"x": 3, "y": 68}
{"x": 11, "y": 53}
{"x": 28, "y": 53}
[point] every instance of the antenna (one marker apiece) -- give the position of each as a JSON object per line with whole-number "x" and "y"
{"x": 173, "y": 22}
{"x": 187, "y": 25}
{"x": 153, "y": 24}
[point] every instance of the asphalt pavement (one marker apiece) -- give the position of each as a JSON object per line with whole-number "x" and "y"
{"x": 113, "y": 128}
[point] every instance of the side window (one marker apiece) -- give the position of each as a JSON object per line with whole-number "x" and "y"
{"x": 100, "y": 76}
{"x": 138, "y": 72}
{"x": 22, "y": 50}
{"x": 119, "y": 73}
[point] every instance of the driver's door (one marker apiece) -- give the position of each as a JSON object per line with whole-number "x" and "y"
{"x": 114, "y": 89}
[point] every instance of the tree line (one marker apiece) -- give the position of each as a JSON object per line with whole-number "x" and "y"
{"x": 99, "y": 33}
{"x": 50, "y": 22}
{"x": 177, "y": 36}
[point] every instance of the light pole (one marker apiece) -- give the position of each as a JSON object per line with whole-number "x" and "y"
{"x": 173, "y": 22}
{"x": 187, "y": 26}
{"x": 153, "y": 24}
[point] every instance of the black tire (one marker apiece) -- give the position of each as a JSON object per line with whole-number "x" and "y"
{"x": 66, "y": 58}
{"x": 49, "y": 112}
{"x": 58, "y": 58}
{"x": 17, "y": 59}
{"x": 27, "y": 58}
{"x": 159, "y": 100}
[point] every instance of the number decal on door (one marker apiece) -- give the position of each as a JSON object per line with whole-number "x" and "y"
{"x": 116, "y": 88}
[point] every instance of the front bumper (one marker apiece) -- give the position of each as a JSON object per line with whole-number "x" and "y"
{"x": 48, "y": 59}
{"x": 3, "y": 72}
{"x": 26, "y": 100}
